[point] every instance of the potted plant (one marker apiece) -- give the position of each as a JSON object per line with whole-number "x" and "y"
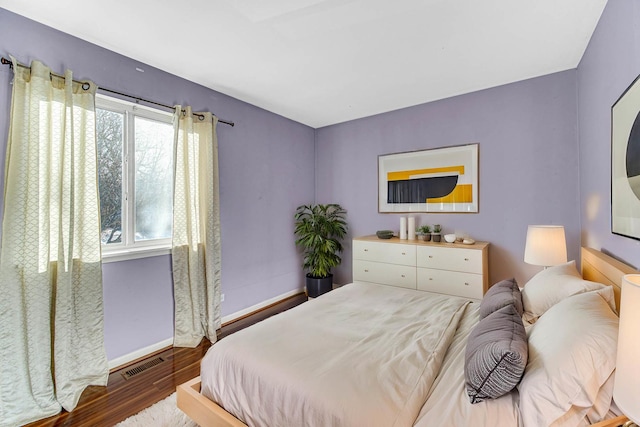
{"x": 436, "y": 236}
{"x": 319, "y": 230}
{"x": 425, "y": 231}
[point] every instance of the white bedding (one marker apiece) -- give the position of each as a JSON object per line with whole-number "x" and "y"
{"x": 362, "y": 355}
{"x": 448, "y": 402}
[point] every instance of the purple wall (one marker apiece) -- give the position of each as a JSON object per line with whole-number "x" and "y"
{"x": 544, "y": 158}
{"x": 609, "y": 65}
{"x": 528, "y": 165}
{"x": 266, "y": 170}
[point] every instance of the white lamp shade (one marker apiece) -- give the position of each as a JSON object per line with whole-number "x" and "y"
{"x": 545, "y": 245}
{"x": 626, "y": 390}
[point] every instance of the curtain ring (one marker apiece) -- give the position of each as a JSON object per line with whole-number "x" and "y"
{"x": 201, "y": 117}
{"x": 86, "y": 86}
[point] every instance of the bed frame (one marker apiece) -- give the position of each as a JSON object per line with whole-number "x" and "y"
{"x": 596, "y": 266}
{"x": 600, "y": 267}
{"x": 200, "y": 409}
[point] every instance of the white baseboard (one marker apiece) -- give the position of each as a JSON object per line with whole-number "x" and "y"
{"x": 238, "y": 314}
{"x": 128, "y": 358}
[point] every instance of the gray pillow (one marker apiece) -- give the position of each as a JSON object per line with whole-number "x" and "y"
{"x": 496, "y": 355}
{"x": 500, "y": 295}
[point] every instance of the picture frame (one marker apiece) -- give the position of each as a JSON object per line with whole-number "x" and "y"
{"x": 625, "y": 163}
{"x": 437, "y": 180}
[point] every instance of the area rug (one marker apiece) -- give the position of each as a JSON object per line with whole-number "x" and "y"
{"x": 163, "y": 414}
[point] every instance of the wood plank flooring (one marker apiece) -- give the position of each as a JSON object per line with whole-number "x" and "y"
{"x": 106, "y": 406}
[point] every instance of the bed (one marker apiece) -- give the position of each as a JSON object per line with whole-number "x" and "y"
{"x": 374, "y": 355}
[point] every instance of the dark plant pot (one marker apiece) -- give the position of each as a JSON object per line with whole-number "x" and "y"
{"x": 436, "y": 237}
{"x": 318, "y": 286}
{"x": 426, "y": 237}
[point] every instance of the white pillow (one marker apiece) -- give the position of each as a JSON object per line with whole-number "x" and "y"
{"x": 554, "y": 284}
{"x": 596, "y": 413}
{"x": 572, "y": 353}
{"x": 602, "y": 405}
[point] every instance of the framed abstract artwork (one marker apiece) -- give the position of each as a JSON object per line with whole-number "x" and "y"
{"x": 625, "y": 163}
{"x": 436, "y": 180}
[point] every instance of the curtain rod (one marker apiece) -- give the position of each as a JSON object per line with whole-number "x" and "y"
{"x": 5, "y": 61}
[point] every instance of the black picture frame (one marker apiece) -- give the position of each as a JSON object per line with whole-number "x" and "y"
{"x": 625, "y": 163}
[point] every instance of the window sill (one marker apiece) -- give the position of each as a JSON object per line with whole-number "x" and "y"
{"x": 137, "y": 253}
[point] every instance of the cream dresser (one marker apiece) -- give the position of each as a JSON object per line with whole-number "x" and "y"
{"x": 446, "y": 268}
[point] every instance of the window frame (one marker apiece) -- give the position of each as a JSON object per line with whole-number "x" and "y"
{"x": 128, "y": 248}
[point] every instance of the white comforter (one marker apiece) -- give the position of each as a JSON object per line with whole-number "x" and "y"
{"x": 362, "y": 355}
{"x": 448, "y": 403}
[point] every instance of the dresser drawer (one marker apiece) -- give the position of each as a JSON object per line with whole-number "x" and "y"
{"x": 387, "y": 274}
{"x": 467, "y": 285}
{"x": 392, "y": 253}
{"x": 454, "y": 259}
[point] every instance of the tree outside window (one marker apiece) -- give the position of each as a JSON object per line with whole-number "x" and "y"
{"x": 135, "y": 175}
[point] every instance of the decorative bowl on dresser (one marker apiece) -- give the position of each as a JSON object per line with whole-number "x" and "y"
{"x": 451, "y": 269}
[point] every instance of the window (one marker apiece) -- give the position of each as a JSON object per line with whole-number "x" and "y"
{"x": 135, "y": 178}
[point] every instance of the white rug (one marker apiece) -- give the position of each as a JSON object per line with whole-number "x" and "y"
{"x": 163, "y": 414}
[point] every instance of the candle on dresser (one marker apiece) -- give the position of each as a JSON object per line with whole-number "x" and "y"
{"x": 411, "y": 228}
{"x": 403, "y": 227}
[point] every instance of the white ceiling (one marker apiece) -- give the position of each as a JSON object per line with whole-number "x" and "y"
{"x": 322, "y": 62}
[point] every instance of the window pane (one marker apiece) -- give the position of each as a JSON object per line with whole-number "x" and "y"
{"x": 154, "y": 179}
{"x": 109, "y": 127}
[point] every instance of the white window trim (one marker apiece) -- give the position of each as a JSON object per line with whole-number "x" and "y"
{"x": 132, "y": 250}
{"x": 115, "y": 255}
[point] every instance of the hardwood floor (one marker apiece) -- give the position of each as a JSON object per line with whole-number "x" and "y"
{"x": 106, "y": 406}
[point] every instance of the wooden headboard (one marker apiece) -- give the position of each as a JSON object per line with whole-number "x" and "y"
{"x": 600, "y": 267}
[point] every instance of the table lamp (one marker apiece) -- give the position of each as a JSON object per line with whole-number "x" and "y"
{"x": 545, "y": 245}
{"x": 626, "y": 390}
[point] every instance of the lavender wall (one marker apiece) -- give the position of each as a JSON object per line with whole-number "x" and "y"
{"x": 544, "y": 158}
{"x": 609, "y": 65}
{"x": 266, "y": 170}
{"x": 528, "y": 165}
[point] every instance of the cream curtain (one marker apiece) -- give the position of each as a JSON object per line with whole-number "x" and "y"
{"x": 51, "y": 316}
{"x": 196, "y": 228}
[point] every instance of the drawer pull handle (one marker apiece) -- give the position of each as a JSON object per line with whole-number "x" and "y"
{"x": 402, "y": 275}
{"x": 366, "y": 271}
{"x": 430, "y": 256}
{"x": 466, "y": 284}
{"x": 430, "y": 278}
{"x": 466, "y": 259}
{"x": 366, "y": 250}
{"x": 403, "y": 253}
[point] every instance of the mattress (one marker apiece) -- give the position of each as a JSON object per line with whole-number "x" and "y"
{"x": 361, "y": 355}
